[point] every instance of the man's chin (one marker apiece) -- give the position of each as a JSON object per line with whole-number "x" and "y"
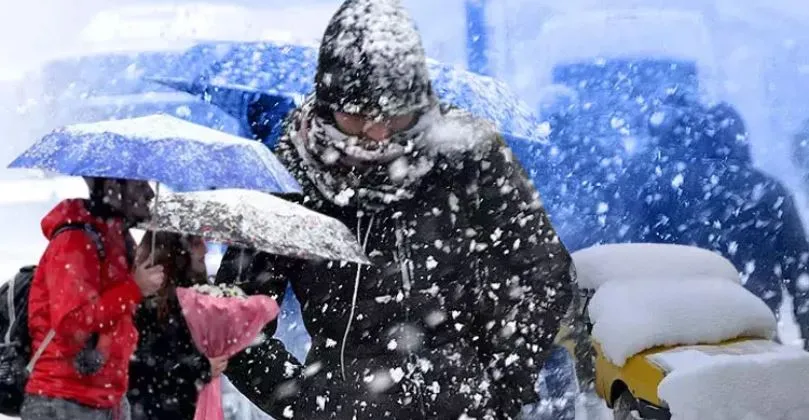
{"x": 138, "y": 218}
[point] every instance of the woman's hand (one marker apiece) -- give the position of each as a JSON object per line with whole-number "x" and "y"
{"x": 218, "y": 365}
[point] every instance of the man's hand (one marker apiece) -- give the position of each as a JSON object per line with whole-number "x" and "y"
{"x": 149, "y": 278}
{"x": 218, "y": 365}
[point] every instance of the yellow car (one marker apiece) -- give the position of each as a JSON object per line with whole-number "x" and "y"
{"x": 635, "y": 312}
{"x": 631, "y": 390}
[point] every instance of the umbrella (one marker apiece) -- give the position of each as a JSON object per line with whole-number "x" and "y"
{"x": 160, "y": 148}
{"x": 252, "y": 219}
{"x": 288, "y": 72}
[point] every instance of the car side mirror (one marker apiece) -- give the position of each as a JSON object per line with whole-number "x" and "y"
{"x": 586, "y": 295}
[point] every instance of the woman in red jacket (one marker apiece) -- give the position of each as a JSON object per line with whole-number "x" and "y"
{"x": 81, "y": 305}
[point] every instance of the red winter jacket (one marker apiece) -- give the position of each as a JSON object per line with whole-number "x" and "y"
{"x": 76, "y": 295}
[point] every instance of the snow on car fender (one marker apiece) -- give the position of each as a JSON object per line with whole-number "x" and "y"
{"x": 749, "y": 379}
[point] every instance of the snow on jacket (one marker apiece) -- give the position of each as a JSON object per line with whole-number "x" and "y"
{"x": 456, "y": 315}
{"x": 75, "y": 294}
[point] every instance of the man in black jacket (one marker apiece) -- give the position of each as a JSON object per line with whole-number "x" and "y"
{"x": 469, "y": 280}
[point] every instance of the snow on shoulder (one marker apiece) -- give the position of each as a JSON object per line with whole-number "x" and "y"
{"x": 635, "y": 315}
{"x": 599, "y": 264}
{"x": 460, "y": 132}
{"x": 747, "y": 380}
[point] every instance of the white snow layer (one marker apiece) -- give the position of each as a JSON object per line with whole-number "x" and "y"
{"x": 599, "y": 264}
{"x": 635, "y": 315}
{"x": 749, "y": 380}
{"x": 157, "y": 127}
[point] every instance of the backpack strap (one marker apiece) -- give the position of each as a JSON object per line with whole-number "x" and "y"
{"x": 41, "y": 349}
{"x": 99, "y": 244}
{"x": 90, "y": 230}
{"x": 11, "y": 311}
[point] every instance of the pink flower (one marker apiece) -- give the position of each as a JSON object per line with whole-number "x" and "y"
{"x": 222, "y": 326}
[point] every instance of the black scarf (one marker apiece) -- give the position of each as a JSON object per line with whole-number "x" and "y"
{"x": 349, "y": 170}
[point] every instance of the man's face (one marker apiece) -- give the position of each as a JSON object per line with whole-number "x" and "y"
{"x": 132, "y": 198}
{"x": 374, "y": 130}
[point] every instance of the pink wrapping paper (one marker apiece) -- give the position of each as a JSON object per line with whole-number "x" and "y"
{"x": 222, "y": 326}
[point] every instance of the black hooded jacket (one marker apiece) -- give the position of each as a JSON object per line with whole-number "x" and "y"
{"x": 465, "y": 296}
{"x": 469, "y": 280}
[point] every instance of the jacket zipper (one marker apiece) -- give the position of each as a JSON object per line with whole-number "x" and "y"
{"x": 405, "y": 260}
{"x": 357, "y": 278}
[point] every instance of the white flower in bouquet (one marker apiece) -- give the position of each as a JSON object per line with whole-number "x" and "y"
{"x": 220, "y": 290}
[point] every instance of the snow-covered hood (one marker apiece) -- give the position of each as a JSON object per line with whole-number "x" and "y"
{"x": 704, "y": 355}
{"x": 747, "y": 380}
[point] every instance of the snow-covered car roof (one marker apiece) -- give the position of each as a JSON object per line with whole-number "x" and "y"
{"x": 631, "y": 316}
{"x": 650, "y": 295}
{"x": 600, "y": 264}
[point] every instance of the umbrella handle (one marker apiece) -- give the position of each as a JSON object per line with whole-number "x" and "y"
{"x": 241, "y": 264}
{"x": 154, "y": 220}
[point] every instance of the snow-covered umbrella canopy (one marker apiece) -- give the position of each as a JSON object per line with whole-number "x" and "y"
{"x": 288, "y": 71}
{"x": 161, "y": 148}
{"x": 252, "y": 219}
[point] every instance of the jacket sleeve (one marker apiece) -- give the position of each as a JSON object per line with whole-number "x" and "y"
{"x": 525, "y": 278}
{"x": 793, "y": 251}
{"x": 266, "y": 373}
{"x": 78, "y": 305}
{"x": 191, "y": 363}
{"x": 181, "y": 359}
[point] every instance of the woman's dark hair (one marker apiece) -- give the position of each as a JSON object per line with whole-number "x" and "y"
{"x": 173, "y": 252}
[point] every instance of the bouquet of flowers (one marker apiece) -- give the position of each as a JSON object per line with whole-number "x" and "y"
{"x": 223, "y": 321}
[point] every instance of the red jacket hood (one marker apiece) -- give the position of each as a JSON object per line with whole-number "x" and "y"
{"x": 68, "y": 211}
